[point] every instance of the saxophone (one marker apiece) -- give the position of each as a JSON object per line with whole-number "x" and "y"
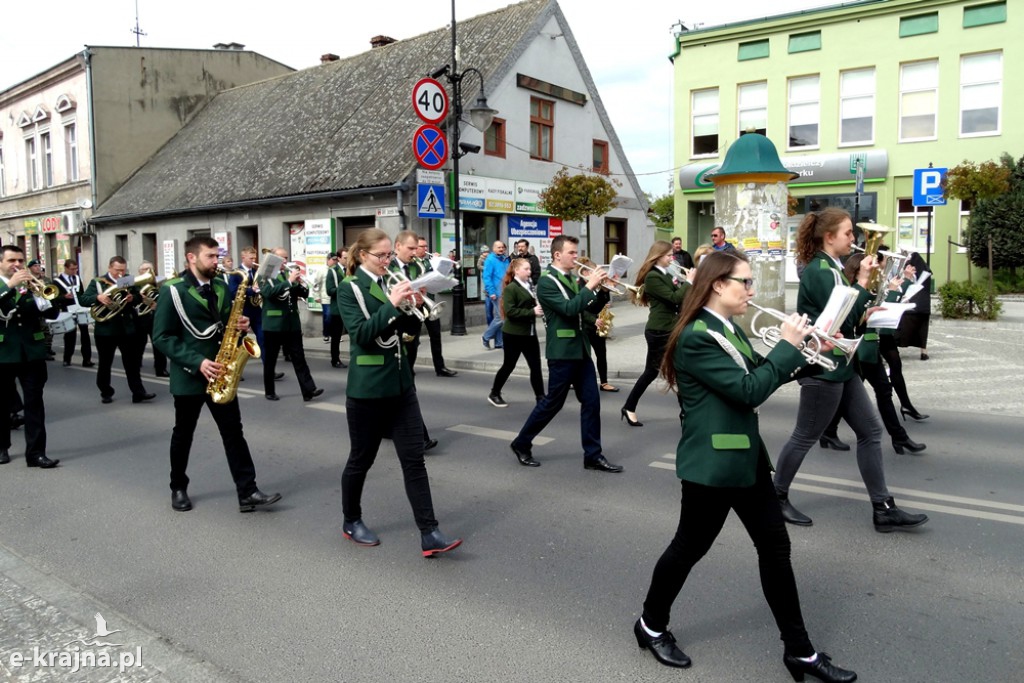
{"x": 235, "y": 349}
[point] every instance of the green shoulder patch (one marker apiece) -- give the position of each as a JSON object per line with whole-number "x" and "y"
{"x": 700, "y": 326}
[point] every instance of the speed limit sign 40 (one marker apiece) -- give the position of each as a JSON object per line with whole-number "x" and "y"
{"x": 430, "y": 100}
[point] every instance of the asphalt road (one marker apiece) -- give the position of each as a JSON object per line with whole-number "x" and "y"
{"x": 556, "y": 559}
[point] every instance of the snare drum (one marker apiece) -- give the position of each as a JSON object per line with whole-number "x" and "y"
{"x": 64, "y": 323}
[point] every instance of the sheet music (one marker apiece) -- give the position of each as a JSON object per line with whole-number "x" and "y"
{"x": 888, "y": 317}
{"x": 433, "y": 282}
{"x": 270, "y": 267}
{"x": 836, "y": 310}
{"x": 918, "y": 285}
{"x": 442, "y": 265}
{"x": 619, "y": 266}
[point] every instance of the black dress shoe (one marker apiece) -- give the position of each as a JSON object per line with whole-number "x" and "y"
{"x": 821, "y": 668}
{"x": 834, "y": 443}
{"x": 907, "y": 444}
{"x": 601, "y": 464}
{"x": 428, "y": 444}
{"x": 791, "y": 514}
{"x": 143, "y": 397}
{"x": 273, "y": 397}
{"x": 663, "y": 647}
{"x": 17, "y": 420}
{"x": 5, "y": 457}
{"x": 180, "y": 501}
{"x": 358, "y": 533}
{"x": 338, "y": 364}
{"x": 88, "y": 364}
{"x": 434, "y": 543}
{"x": 311, "y": 396}
{"x": 912, "y": 413}
{"x": 107, "y": 399}
{"x": 257, "y": 499}
{"x": 278, "y": 376}
{"x": 887, "y": 517}
{"x": 41, "y": 461}
{"x": 525, "y": 456}
{"x": 445, "y": 372}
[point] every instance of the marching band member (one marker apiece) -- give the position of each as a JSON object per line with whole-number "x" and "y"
{"x": 22, "y": 357}
{"x": 190, "y": 319}
{"x": 568, "y": 354}
{"x": 145, "y": 332}
{"x": 71, "y": 288}
{"x": 664, "y": 296}
{"x": 116, "y": 334}
{"x": 433, "y": 326}
{"x": 283, "y": 329}
{"x": 332, "y": 280}
{"x": 723, "y": 463}
{"x": 381, "y": 393}
{"x": 520, "y": 309}
{"x": 822, "y": 239}
{"x": 598, "y": 342}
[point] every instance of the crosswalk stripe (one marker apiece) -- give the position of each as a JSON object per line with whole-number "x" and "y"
{"x": 329, "y": 407}
{"x": 500, "y": 434}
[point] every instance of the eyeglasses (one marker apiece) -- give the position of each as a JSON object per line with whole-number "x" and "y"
{"x": 386, "y": 256}
{"x": 747, "y": 282}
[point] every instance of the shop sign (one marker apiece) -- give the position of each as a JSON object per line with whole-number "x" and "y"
{"x": 520, "y": 227}
{"x": 499, "y": 194}
{"x": 812, "y": 168}
{"x": 528, "y": 197}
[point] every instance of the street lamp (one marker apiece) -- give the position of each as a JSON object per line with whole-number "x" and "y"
{"x": 481, "y": 117}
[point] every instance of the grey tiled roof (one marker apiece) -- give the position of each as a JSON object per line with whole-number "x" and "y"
{"x": 338, "y": 126}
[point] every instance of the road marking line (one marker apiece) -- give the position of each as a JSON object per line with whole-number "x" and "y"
{"x": 500, "y": 434}
{"x": 663, "y": 466}
{"x": 919, "y": 494}
{"x": 330, "y": 407}
{"x": 993, "y": 516}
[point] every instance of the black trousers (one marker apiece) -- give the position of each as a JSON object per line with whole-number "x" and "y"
{"x": 702, "y": 514}
{"x": 656, "y": 342}
{"x": 144, "y": 333}
{"x": 563, "y": 375}
{"x": 32, "y": 376}
{"x": 370, "y": 421}
{"x": 890, "y": 353}
{"x": 229, "y": 423}
{"x": 129, "y": 348}
{"x": 434, "y": 332}
{"x": 71, "y": 339}
{"x": 874, "y": 373}
{"x": 600, "y": 347}
{"x": 336, "y": 328}
{"x": 291, "y": 342}
{"x": 516, "y": 345}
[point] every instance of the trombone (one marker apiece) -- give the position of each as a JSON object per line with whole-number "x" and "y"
{"x": 810, "y": 349}
{"x": 613, "y": 286}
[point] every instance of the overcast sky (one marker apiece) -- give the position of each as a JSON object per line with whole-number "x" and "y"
{"x": 626, "y": 45}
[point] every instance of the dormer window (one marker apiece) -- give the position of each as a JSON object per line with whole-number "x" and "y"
{"x": 65, "y": 103}
{"x": 41, "y": 114}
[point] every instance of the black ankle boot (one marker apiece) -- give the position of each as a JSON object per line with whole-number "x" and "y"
{"x": 833, "y": 442}
{"x": 821, "y": 668}
{"x": 906, "y": 443}
{"x": 888, "y": 517}
{"x": 791, "y": 514}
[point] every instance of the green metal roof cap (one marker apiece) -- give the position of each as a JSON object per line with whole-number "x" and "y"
{"x": 752, "y": 153}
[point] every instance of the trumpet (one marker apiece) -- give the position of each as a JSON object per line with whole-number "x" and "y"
{"x": 431, "y": 309}
{"x": 678, "y": 272}
{"x": 613, "y": 286}
{"x": 119, "y": 298}
{"x": 42, "y": 289}
{"x": 809, "y": 349}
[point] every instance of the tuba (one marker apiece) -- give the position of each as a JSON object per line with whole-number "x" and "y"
{"x": 119, "y": 298}
{"x": 235, "y": 350}
{"x": 874, "y": 235}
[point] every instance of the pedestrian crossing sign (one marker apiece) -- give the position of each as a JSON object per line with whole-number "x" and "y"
{"x": 430, "y": 201}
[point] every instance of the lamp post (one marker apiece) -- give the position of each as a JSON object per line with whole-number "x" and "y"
{"x": 481, "y": 116}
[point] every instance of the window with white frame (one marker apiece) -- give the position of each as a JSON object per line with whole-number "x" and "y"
{"x": 981, "y": 93}
{"x": 912, "y": 226}
{"x": 857, "y": 107}
{"x": 71, "y": 150}
{"x": 919, "y": 100}
{"x": 965, "y": 218}
{"x": 704, "y": 122}
{"x": 752, "y": 108}
{"x": 32, "y": 164}
{"x": 804, "y": 111}
{"x": 47, "y": 153}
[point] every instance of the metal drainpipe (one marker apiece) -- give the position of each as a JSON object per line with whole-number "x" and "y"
{"x": 399, "y": 191}
{"x": 87, "y": 55}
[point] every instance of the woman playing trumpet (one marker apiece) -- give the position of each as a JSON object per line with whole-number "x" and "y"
{"x": 664, "y": 295}
{"x": 723, "y": 463}
{"x": 822, "y": 239}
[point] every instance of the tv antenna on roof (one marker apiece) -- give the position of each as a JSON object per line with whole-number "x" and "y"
{"x": 137, "y": 31}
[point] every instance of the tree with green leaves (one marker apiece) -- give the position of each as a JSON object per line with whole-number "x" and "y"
{"x": 970, "y": 181}
{"x": 663, "y": 211}
{"x": 578, "y": 197}
{"x": 996, "y": 192}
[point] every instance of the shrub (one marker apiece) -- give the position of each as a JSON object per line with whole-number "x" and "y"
{"x": 962, "y": 300}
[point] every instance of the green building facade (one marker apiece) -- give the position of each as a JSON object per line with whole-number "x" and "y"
{"x": 890, "y": 85}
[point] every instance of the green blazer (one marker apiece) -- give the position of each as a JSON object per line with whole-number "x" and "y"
{"x": 334, "y": 277}
{"x": 721, "y": 442}
{"x": 122, "y": 324}
{"x": 665, "y": 298}
{"x": 281, "y": 304}
{"x": 377, "y": 366}
{"x": 816, "y": 285}
{"x": 518, "y": 303}
{"x": 564, "y": 302}
{"x": 21, "y": 326}
{"x": 175, "y": 332}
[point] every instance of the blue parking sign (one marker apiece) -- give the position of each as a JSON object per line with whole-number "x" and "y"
{"x": 928, "y": 186}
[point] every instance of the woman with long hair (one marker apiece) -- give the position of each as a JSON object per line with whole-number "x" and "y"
{"x": 519, "y": 308}
{"x": 822, "y": 239}
{"x": 381, "y": 399}
{"x": 663, "y": 294}
{"x": 873, "y": 371}
{"x": 722, "y": 460}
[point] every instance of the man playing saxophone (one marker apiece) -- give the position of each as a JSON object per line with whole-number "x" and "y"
{"x": 191, "y": 315}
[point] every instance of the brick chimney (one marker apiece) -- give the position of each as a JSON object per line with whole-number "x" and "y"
{"x": 329, "y": 57}
{"x": 381, "y": 41}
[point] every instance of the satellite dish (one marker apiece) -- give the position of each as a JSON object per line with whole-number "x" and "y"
{"x": 85, "y": 203}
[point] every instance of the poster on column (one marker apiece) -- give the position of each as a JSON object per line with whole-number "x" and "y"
{"x": 223, "y": 245}
{"x": 318, "y": 245}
